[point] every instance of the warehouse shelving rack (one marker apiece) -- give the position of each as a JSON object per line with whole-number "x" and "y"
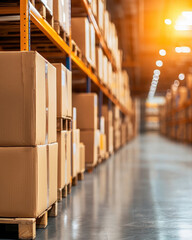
{"x": 28, "y": 13}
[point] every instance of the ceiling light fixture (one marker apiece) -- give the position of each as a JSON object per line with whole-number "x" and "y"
{"x": 181, "y": 76}
{"x": 159, "y": 63}
{"x": 162, "y": 52}
{"x": 168, "y": 21}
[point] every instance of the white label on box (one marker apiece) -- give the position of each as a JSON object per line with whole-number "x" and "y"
{"x": 74, "y": 148}
{"x": 95, "y": 101}
{"x": 74, "y": 114}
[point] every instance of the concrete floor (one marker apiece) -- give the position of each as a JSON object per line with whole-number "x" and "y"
{"x": 144, "y": 192}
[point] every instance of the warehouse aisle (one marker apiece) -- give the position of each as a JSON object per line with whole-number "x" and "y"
{"x": 142, "y": 193}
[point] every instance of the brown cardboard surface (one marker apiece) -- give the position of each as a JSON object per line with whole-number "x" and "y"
{"x": 81, "y": 35}
{"x": 22, "y": 92}
{"x": 62, "y": 90}
{"x": 88, "y": 138}
{"x": 23, "y": 181}
{"x": 52, "y": 160}
{"x": 69, "y": 147}
{"x": 69, "y": 87}
{"x": 51, "y": 105}
{"x": 86, "y": 104}
{"x": 62, "y": 158}
{"x": 75, "y": 151}
{"x": 82, "y": 157}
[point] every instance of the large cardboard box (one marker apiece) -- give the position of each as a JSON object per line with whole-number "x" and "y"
{"x": 99, "y": 62}
{"x": 23, "y": 181}
{"x": 89, "y": 139}
{"x": 69, "y": 86}
{"x": 92, "y": 45}
{"x": 62, "y": 90}
{"x": 82, "y": 158}
{"x": 61, "y": 13}
{"x": 100, "y": 13}
{"x": 52, "y": 166}
{"x": 81, "y": 35}
{"x": 27, "y": 88}
{"x": 62, "y": 138}
{"x": 69, "y": 148}
{"x": 75, "y": 152}
{"x": 86, "y": 104}
{"x": 51, "y": 104}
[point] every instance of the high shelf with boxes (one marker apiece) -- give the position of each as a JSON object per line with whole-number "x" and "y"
{"x": 176, "y": 114}
{"x": 40, "y": 65}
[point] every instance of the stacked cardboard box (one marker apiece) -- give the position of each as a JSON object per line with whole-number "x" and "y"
{"x": 62, "y": 15}
{"x": 102, "y": 143}
{"x": 28, "y": 152}
{"x": 75, "y": 146}
{"x": 108, "y": 115}
{"x": 83, "y": 34}
{"x": 117, "y": 125}
{"x": 64, "y": 111}
{"x": 86, "y": 105}
{"x": 81, "y": 158}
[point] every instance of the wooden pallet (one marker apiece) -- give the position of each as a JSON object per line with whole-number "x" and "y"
{"x": 81, "y": 176}
{"x": 27, "y": 226}
{"x": 62, "y": 193}
{"x": 44, "y": 11}
{"x": 69, "y": 188}
{"x": 63, "y": 124}
{"x": 76, "y": 49}
{"x": 90, "y": 167}
{"x": 74, "y": 181}
{"x": 61, "y": 32}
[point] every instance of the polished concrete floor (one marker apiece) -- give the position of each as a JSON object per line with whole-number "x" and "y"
{"x": 144, "y": 192}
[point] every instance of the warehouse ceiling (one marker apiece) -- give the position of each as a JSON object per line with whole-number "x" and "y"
{"x": 142, "y": 33}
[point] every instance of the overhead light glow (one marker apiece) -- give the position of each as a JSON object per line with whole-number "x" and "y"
{"x": 181, "y": 76}
{"x": 159, "y": 63}
{"x": 168, "y": 21}
{"x": 157, "y": 72}
{"x": 184, "y": 21}
{"x": 183, "y": 49}
{"x": 162, "y": 52}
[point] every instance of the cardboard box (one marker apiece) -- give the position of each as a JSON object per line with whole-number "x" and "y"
{"x": 82, "y": 158}
{"x": 100, "y": 12}
{"x": 51, "y": 104}
{"x": 81, "y": 35}
{"x": 61, "y": 13}
{"x": 52, "y": 167}
{"x": 102, "y": 148}
{"x": 63, "y": 161}
{"x": 86, "y": 104}
{"x": 27, "y": 85}
{"x": 74, "y": 118}
{"x": 89, "y": 139}
{"x": 23, "y": 181}
{"x": 69, "y": 86}
{"x": 92, "y": 45}
{"x": 62, "y": 90}
{"x": 69, "y": 148}
{"x": 75, "y": 153}
{"x": 99, "y": 63}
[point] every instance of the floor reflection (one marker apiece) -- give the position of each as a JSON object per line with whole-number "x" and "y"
{"x": 143, "y": 192}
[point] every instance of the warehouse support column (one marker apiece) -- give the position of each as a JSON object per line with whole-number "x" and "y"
{"x": 25, "y": 25}
{"x": 88, "y": 89}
